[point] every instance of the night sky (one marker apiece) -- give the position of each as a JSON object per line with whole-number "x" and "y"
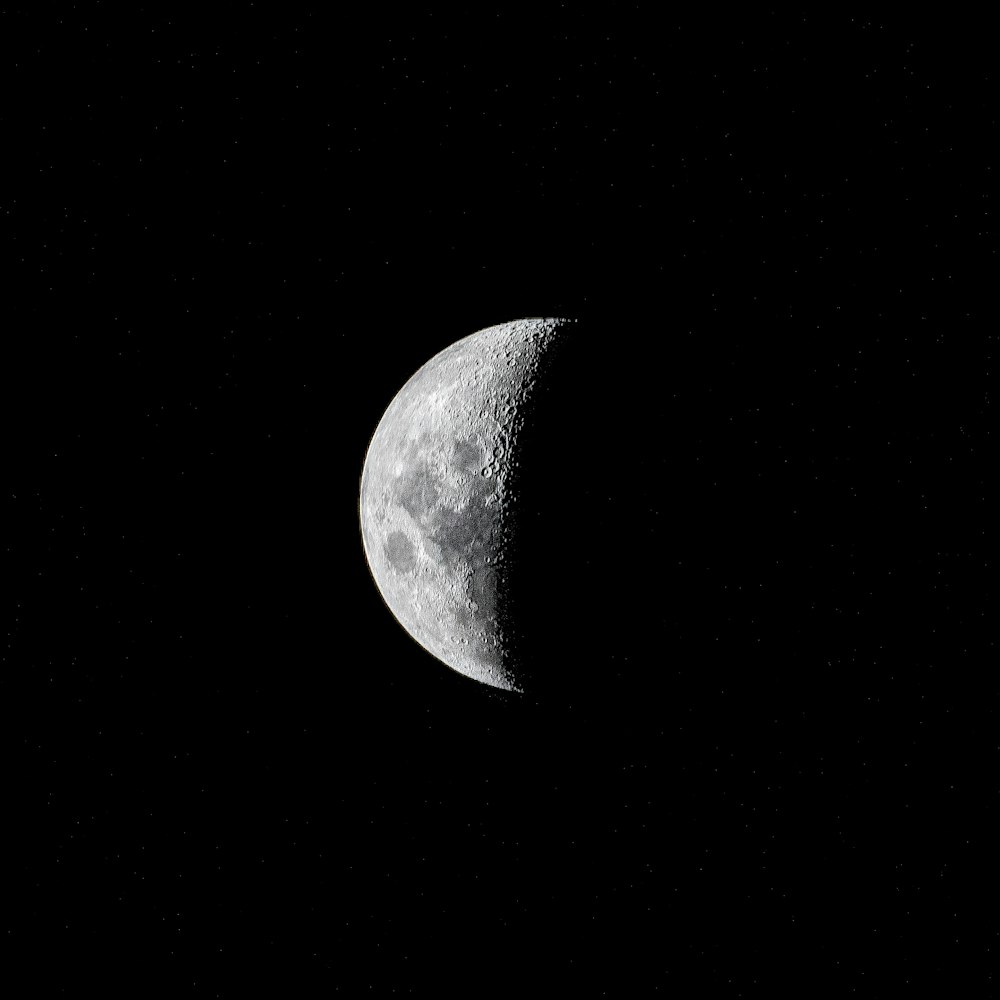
{"x": 764, "y": 522}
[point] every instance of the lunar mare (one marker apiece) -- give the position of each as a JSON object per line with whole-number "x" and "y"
{"x": 438, "y": 497}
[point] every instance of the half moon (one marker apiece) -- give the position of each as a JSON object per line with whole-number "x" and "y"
{"x": 438, "y": 496}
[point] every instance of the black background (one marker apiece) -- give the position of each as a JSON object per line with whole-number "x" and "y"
{"x": 763, "y": 526}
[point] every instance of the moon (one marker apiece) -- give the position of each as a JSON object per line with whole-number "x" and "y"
{"x": 439, "y": 496}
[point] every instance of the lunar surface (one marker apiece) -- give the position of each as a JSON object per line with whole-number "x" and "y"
{"x": 438, "y": 495}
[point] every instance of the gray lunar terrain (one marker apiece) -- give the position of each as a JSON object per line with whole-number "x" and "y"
{"x": 437, "y": 502}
